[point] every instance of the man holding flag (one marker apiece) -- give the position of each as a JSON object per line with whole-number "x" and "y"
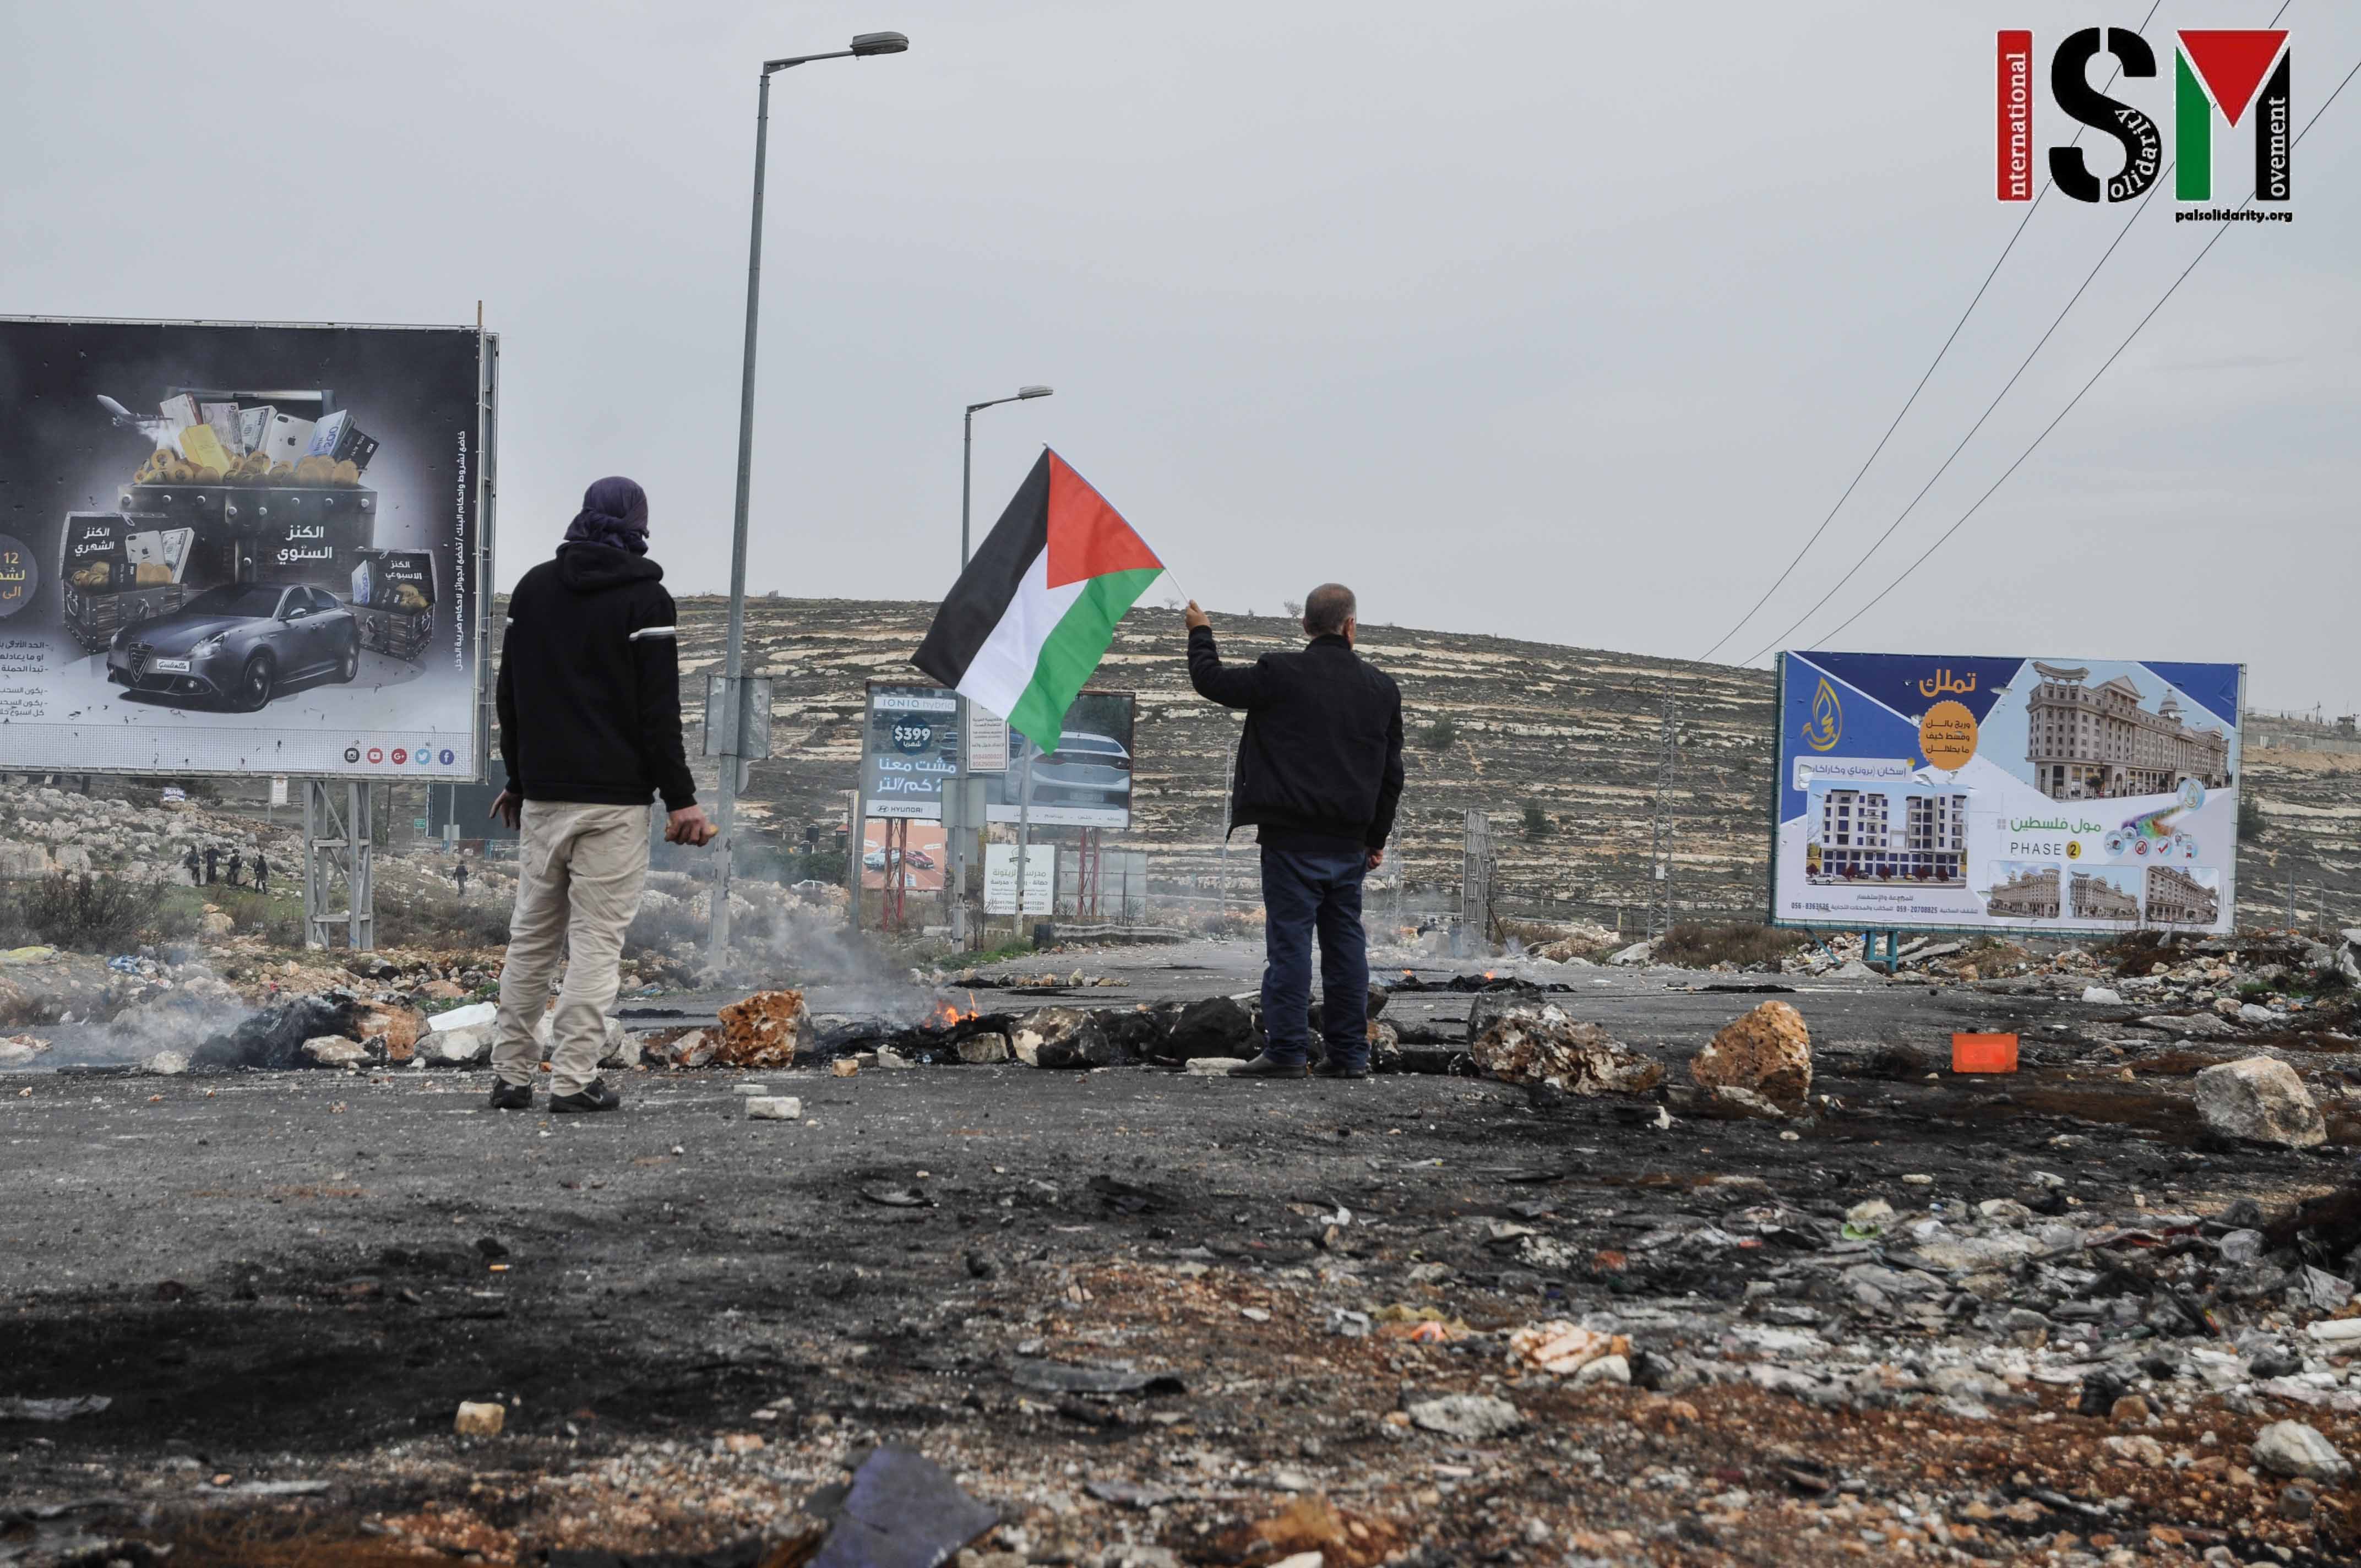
{"x": 1319, "y": 767}
{"x": 1320, "y": 771}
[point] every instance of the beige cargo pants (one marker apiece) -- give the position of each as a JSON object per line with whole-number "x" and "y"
{"x": 579, "y": 871}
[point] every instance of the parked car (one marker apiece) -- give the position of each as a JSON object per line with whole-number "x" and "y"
{"x": 1086, "y": 769}
{"x": 243, "y": 643}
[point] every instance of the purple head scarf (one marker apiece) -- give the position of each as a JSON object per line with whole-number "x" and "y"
{"x": 614, "y": 512}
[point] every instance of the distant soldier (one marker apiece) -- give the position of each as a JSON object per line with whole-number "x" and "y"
{"x": 261, "y": 872}
{"x": 237, "y": 862}
{"x": 212, "y": 864}
{"x": 196, "y": 868}
{"x": 459, "y": 876}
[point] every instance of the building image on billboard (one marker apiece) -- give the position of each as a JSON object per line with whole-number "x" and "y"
{"x": 1889, "y": 835}
{"x": 1945, "y": 791}
{"x": 268, "y": 551}
{"x": 2109, "y": 894}
{"x": 2184, "y": 898}
{"x": 2024, "y": 892}
{"x": 2091, "y": 742}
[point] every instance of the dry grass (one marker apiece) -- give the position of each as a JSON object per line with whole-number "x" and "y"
{"x": 1696, "y": 946}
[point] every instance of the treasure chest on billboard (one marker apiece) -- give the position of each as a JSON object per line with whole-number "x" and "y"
{"x": 270, "y": 496}
{"x": 394, "y": 599}
{"x": 264, "y": 532}
{"x": 119, "y": 570}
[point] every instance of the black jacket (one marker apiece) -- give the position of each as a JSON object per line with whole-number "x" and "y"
{"x": 1322, "y": 752}
{"x": 590, "y": 683}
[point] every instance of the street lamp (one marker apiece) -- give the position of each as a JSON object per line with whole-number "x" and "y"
{"x": 733, "y": 685}
{"x": 957, "y": 834}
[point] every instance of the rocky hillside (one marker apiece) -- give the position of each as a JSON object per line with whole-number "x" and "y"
{"x": 1496, "y": 724}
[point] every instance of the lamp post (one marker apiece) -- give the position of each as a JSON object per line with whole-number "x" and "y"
{"x": 956, "y": 827}
{"x": 734, "y": 686}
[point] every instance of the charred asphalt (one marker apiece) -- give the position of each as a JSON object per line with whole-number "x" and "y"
{"x": 275, "y": 1277}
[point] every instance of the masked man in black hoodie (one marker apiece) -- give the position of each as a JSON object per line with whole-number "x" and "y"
{"x": 589, "y": 702}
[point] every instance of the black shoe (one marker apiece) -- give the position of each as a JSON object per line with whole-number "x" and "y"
{"x": 1267, "y": 1066}
{"x": 592, "y": 1096}
{"x": 509, "y": 1096}
{"x": 1331, "y": 1067}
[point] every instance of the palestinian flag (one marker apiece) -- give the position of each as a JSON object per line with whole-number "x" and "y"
{"x": 1036, "y": 610}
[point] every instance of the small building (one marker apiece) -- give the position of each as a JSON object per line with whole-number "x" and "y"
{"x": 2093, "y": 742}
{"x": 2031, "y": 895}
{"x": 2098, "y": 899}
{"x": 2176, "y": 898}
{"x": 1863, "y": 836}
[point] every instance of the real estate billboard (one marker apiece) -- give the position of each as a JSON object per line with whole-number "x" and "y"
{"x": 2045, "y": 794}
{"x": 243, "y": 548}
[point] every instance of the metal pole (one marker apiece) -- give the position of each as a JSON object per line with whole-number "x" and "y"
{"x": 726, "y": 806}
{"x": 955, "y": 825}
{"x": 1025, "y": 834}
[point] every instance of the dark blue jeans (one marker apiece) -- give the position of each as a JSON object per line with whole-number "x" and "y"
{"x": 1301, "y": 894}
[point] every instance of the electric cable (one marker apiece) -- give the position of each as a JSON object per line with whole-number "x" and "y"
{"x": 2158, "y": 184}
{"x": 1928, "y": 375}
{"x": 2224, "y": 229}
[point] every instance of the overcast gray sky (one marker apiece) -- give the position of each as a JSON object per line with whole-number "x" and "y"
{"x": 1562, "y": 320}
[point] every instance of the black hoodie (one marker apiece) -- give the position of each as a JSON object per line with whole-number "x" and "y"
{"x": 589, "y": 688}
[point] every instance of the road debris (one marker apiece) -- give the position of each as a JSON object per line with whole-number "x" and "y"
{"x": 479, "y": 1419}
{"x": 1524, "y": 1043}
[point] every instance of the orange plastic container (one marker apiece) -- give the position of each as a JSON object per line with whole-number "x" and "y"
{"x": 1984, "y": 1053}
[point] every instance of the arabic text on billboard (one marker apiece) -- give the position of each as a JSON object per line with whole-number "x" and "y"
{"x": 2051, "y": 795}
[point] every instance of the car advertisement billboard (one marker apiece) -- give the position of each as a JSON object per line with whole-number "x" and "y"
{"x": 236, "y": 548}
{"x": 2081, "y": 796}
{"x": 910, "y": 748}
{"x": 1086, "y": 782}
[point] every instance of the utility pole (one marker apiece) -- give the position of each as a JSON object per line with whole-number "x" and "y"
{"x": 1660, "y": 852}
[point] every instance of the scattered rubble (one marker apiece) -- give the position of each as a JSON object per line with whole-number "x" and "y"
{"x": 2261, "y": 1098}
{"x": 1471, "y": 1418}
{"x": 1523, "y": 1043}
{"x": 2292, "y": 1448}
{"x": 766, "y": 1030}
{"x": 1766, "y": 1055}
{"x": 1061, "y": 1037}
{"x": 476, "y": 1419}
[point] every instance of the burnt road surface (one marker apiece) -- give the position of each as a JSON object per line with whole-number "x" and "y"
{"x": 272, "y": 1276}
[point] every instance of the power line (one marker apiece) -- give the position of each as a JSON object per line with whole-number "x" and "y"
{"x": 2022, "y": 366}
{"x": 2093, "y": 382}
{"x": 2158, "y": 184}
{"x": 1908, "y": 402}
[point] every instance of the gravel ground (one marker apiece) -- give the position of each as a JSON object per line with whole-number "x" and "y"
{"x": 291, "y": 1282}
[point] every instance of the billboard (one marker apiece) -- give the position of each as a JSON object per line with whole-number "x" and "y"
{"x": 910, "y": 748}
{"x": 1000, "y": 878}
{"x": 1086, "y": 782}
{"x": 2062, "y": 796}
{"x": 240, "y": 548}
{"x": 919, "y": 860}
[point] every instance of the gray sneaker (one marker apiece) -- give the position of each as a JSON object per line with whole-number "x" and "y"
{"x": 592, "y": 1096}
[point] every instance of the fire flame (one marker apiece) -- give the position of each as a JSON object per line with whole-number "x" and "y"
{"x": 945, "y": 1014}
